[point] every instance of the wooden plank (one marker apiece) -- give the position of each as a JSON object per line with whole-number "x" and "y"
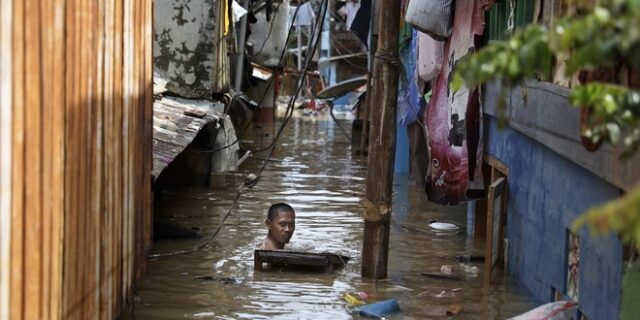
{"x": 45, "y": 30}
{"x": 96, "y": 155}
{"x": 127, "y": 164}
{"x": 84, "y": 110}
{"x": 148, "y": 77}
{"x": 558, "y": 129}
{"x": 328, "y": 261}
{"x": 489, "y": 237}
{"x": 480, "y": 219}
{"x": 33, "y": 254}
{"x": 16, "y": 299}
{"x": 6, "y": 143}
{"x": 70, "y": 223}
{"x": 57, "y": 156}
{"x": 118, "y": 157}
{"x": 147, "y": 120}
{"x": 289, "y": 258}
{"x": 138, "y": 143}
{"x": 107, "y": 301}
{"x": 496, "y": 164}
{"x": 96, "y": 109}
{"x": 495, "y": 190}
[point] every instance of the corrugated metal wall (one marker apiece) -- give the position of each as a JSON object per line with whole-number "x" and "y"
{"x": 75, "y": 195}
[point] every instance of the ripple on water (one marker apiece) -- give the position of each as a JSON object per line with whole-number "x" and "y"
{"x": 324, "y": 182}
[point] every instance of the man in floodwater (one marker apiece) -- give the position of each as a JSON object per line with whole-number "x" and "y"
{"x": 281, "y": 222}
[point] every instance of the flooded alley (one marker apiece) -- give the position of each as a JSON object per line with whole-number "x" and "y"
{"x": 315, "y": 171}
{"x": 319, "y": 159}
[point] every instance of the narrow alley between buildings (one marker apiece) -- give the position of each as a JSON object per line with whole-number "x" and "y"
{"x": 314, "y": 170}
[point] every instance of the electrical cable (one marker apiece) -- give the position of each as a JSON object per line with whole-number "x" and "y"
{"x": 208, "y": 239}
{"x": 288, "y": 114}
{"x": 264, "y": 94}
{"x": 290, "y": 107}
{"x": 269, "y": 33}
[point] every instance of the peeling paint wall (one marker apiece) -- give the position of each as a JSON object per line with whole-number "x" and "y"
{"x": 190, "y": 48}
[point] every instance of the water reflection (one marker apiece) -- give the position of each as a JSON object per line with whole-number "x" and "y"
{"x": 324, "y": 182}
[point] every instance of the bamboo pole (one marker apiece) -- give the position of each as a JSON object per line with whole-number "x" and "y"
{"x": 382, "y": 137}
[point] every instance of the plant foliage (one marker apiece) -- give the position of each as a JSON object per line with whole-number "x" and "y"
{"x": 604, "y": 35}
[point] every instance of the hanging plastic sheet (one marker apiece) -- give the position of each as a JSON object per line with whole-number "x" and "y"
{"x": 454, "y": 118}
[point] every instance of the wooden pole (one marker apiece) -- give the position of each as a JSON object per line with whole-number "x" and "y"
{"x": 382, "y": 139}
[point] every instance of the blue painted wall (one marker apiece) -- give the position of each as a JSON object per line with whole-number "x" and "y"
{"x": 546, "y": 193}
{"x": 401, "y": 164}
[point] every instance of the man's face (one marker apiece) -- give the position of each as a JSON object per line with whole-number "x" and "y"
{"x": 282, "y": 226}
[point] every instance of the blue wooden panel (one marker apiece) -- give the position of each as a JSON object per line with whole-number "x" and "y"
{"x": 547, "y": 192}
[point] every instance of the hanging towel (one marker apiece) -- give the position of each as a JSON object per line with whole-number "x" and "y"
{"x": 454, "y": 119}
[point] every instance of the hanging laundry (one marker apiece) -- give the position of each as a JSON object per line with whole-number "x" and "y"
{"x": 360, "y": 24}
{"x": 433, "y": 17}
{"x": 409, "y": 102}
{"x": 351, "y": 8}
{"x": 305, "y": 15}
{"x": 454, "y": 118}
{"x": 238, "y": 11}
{"x": 430, "y": 57}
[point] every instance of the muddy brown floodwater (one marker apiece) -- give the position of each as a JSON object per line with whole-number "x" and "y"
{"x": 316, "y": 172}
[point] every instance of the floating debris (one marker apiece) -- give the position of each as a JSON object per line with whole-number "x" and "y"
{"x": 469, "y": 258}
{"x": 441, "y": 276}
{"x": 443, "y": 226}
{"x": 352, "y": 300}
{"x": 379, "y": 309}
{"x": 227, "y": 281}
{"x": 446, "y": 269}
{"x": 454, "y": 309}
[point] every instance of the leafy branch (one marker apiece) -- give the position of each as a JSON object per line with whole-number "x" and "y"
{"x": 602, "y": 36}
{"x": 621, "y": 216}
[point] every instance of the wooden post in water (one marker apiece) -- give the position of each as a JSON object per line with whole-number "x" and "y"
{"x": 382, "y": 143}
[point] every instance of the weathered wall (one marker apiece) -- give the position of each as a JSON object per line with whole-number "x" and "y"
{"x": 190, "y": 46}
{"x": 547, "y": 191}
{"x": 268, "y": 37}
{"x": 76, "y": 156}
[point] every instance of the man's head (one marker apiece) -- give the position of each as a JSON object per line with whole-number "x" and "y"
{"x": 281, "y": 222}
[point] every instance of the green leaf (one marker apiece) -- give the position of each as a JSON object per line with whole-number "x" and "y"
{"x": 630, "y": 308}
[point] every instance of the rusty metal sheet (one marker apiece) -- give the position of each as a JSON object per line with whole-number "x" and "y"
{"x": 176, "y": 122}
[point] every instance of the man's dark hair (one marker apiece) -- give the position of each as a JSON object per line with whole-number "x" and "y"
{"x": 277, "y": 208}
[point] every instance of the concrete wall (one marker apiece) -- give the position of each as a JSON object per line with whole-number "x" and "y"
{"x": 547, "y": 192}
{"x": 190, "y": 47}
